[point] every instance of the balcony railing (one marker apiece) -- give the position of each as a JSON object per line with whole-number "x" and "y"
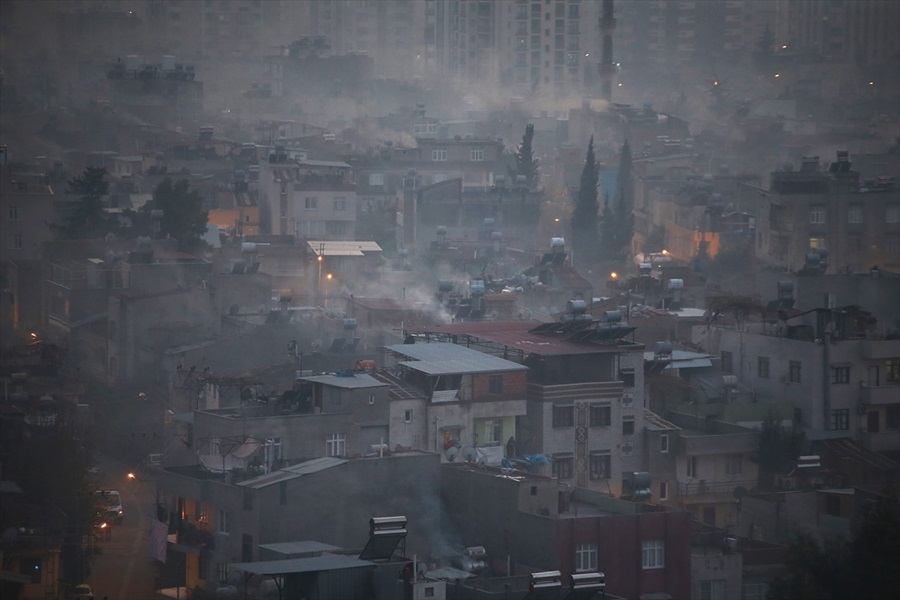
{"x": 195, "y": 537}
{"x": 713, "y": 488}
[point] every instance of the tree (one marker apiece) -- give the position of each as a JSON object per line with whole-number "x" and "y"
{"x": 864, "y": 568}
{"x": 585, "y": 215}
{"x": 778, "y": 448}
{"x": 183, "y": 217}
{"x": 526, "y": 163}
{"x": 617, "y": 222}
{"x": 87, "y": 219}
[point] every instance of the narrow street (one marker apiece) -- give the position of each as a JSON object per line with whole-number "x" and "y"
{"x": 123, "y": 568}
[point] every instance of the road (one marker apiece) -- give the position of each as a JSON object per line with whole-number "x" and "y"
{"x": 122, "y": 567}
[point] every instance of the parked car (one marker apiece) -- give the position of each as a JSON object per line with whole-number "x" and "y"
{"x": 112, "y": 506}
{"x": 81, "y": 591}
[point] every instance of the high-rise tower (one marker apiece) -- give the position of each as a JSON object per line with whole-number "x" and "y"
{"x": 607, "y": 68}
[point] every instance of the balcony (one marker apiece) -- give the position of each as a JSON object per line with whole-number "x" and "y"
{"x": 875, "y": 348}
{"x": 712, "y": 491}
{"x": 879, "y": 394}
{"x": 193, "y": 538}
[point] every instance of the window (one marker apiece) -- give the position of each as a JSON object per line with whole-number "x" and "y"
{"x": 794, "y": 371}
{"x": 311, "y": 203}
{"x": 712, "y": 589}
{"x": 840, "y": 419}
{"x": 892, "y": 213}
{"x": 600, "y": 465}
{"x": 734, "y": 465}
{"x": 13, "y": 213}
{"x": 585, "y": 558}
{"x": 493, "y": 431}
{"x": 692, "y": 467}
{"x": 495, "y": 384}
{"x": 627, "y": 425}
{"x": 816, "y": 242}
{"x": 892, "y": 417}
{"x": 817, "y": 215}
{"x": 892, "y": 370}
{"x": 726, "y": 361}
{"x": 626, "y": 376}
{"x": 663, "y": 490}
{"x": 376, "y": 179}
{"x": 221, "y": 571}
{"x": 664, "y": 443}
{"x": 336, "y": 227}
{"x": 762, "y": 367}
{"x": 335, "y": 445}
{"x": 407, "y": 415}
{"x": 340, "y": 204}
{"x": 855, "y": 214}
{"x": 600, "y": 415}
{"x": 371, "y": 398}
{"x": 439, "y": 154}
{"x": 562, "y": 466}
{"x": 223, "y": 521}
{"x": 653, "y": 554}
{"x": 754, "y": 590}
{"x": 476, "y": 154}
{"x": 15, "y": 241}
{"x": 840, "y": 374}
{"x": 563, "y": 415}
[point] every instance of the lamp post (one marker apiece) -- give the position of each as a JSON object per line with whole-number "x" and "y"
{"x": 328, "y": 278}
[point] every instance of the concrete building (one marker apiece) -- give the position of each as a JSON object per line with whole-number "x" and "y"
{"x": 528, "y": 522}
{"x": 585, "y": 394}
{"x": 314, "y": 199}
{"x": 463, "y": 405}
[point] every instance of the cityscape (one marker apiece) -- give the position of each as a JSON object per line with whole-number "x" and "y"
{"x": 450, "y": 299}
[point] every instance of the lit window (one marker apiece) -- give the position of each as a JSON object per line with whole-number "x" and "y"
{"x": 585, "y": 558}
{"x": 653, "y": 555}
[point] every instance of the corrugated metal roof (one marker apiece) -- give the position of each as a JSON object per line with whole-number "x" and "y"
{"x": 654, "y": 422}
{"x": 329, "y": 562}
{"x": 442, "y": 358}
{"x": 351, "y": 382}
{"x": 345, "y": 248}
{"x": 302, "y": 547}
{"x": 305, "y": 468}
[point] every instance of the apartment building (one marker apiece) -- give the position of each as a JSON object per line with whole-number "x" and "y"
{"x": 813, "y": 209}
{"x": 315, "y": 199}
{"x": 585, "y": 398}
{"x": 454, "y": 401}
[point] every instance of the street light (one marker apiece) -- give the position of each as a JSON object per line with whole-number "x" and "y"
{"x": 327, "y": 279}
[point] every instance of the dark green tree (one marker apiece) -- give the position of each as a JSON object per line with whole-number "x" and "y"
{"x": 778, "y": 448}
{"x": 617, "y": 222}
{"x": 183, "y": 216}
{"x": 86, "y": 217}
{"x": 863, "y": 568}
{"x": 526, "y": 163}
{"x": 585, "y": 215}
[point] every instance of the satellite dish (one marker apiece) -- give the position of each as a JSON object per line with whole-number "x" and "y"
{"x": 452, "y": 453}
{"x": 470, "y": 454}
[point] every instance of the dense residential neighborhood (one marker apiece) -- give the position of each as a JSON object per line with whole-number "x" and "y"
{"x": 452, "y": 299}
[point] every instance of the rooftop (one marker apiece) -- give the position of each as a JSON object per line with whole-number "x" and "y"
{"x": 441, "y": 358}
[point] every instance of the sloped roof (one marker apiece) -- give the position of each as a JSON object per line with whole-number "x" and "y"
{"x": 442, "y": 358}
{"x": 294, "y": 471}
